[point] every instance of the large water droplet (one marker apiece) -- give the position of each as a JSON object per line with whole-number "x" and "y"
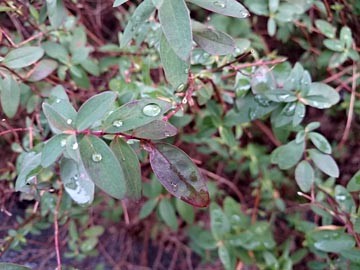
{"x": 262, "y": 101}
{"x": 180, "y": 87}
{"x": 63, "y": 143}
{"x": 289, "y": 109}
{"x": 117, "y": 123}
{"x": 219, "y": 4}
{"x": 283, "y": 97}
{"x": 58, "y": 100}
{"x": 340, "y": 198}
{"x": 69, "y": 121}
{"x": 75, "y": 146}
{"x": 152, "y": 110}
{"x": 96, "y": 157}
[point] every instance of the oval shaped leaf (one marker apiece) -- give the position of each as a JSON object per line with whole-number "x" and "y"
{"x": 320, "y": 142}
{"x": 214, "y": 42}
{"x": 76, "y": 181}
{"x": 135, "y": 114}
{"x": 304, "y": 175}
{"x": 130, "y": 165}
{"x": 29, "y": 166}
{"x": 174, "y": 18}
{"x": 53, "y": 149}
{"x": 324, "y": 162}
{"x": 9, "y": 96}
{"x": 12, "y": 266}
{"x": 288, "y": 155}
{"x": 321, "y": 96}
{"x": 94, "y": 109}
{"x": 141, "y": 14}
{"x": 119, "y": 2}
{"x": 23, "y": 57}
{"x": 167, "y": 213}
{"x": 176, "y": 69}
{"x": 225, "y": 7}
{"x": 354, "y": 183}
{"x": 156, "y": 130}
{"x": 102, "y": 166}
{"x": 43, "y": 69}
{"x": 58, "y": 122}
{"x": 178, "y": 174}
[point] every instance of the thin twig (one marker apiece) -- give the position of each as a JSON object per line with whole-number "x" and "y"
{"x": 56, "y": 229}
{"x": 267, "y": 132}
{"x": 351, "y": 110}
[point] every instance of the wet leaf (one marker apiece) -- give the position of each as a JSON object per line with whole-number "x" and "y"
{"x": 174, "y": 18}
{"x": 76, "y": 181}
{"x": 178, "y": 174}
{"x": 102, "y": 166}
{"x": 30, "y": 165}
{"x": 94, "y": 109}
{"x": 57, "y": 121}
{"x": 155, "y": 130}
{"x": 52, "y": 150}
{"x": 225, "y": 7}
{"x": 130, "y": 165}
{"x": 135, "y": 114}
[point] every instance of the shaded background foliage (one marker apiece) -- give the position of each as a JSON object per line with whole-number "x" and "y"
{"x": 279, "y": 200}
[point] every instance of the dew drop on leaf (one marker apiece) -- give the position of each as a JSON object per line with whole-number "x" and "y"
{"x": 58, "y": 100}
{"x": 96, "y": 157}
{"x": 219, "y": 4}
{"x": 117, "y": 123}
{"x": 151, "y": 110}
{"x": 69, "y": 121}
{"x": 63, "y": 143}
{"x": 75, "y": 146}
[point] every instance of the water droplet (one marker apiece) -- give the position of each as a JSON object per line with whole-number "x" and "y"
{"x": 151, "y": 109}
{"x": 289, "y": 109}
{"x": 96, "y": 157}
{"x": 75, "y": 146}
{"x": 167, "y": 134}
{"x": 69, "y": 121}
{"x": 340, "y": 198}
{"x": 219, "y": 4}
{"x": 301, "y": 114}
{"x": 63, "y": 142}
{"x": 180, "y": 87}
{"x": 184, "y": 101}
{"x": 283, "y": 97}
{"x": 58, "y": 100}
{"x": 253, "y": 113}
{"x": 174, "y": 186}
{"x": 262, "y": 101}
{"x": 117, "y": 123}
{"x": 244, "y": 14}
{"x": 187, "y": 71}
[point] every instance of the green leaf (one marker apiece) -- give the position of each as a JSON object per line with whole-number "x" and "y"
{"x": 89, "y": 244}
{"x": 94, "y": 109}
{"x": 94, "y": 231}
{"x": 225, "y": 7}
{"x": 225, "y": 257}
{"x": 346, "y": 36}
{"x": 326, "y": 28}
{"x": 77, "y": 182}
{"x": 304, "y": 175}
{"x": 9, "y": 96}
{"x": 334, "y": 45}
{"x": 141, "y": 14}
{"x": 213, "y": 41}
{"x": 148, "y": 208}
{"x": 57, "y": 121}
{"x": 186, "y": 211}
{"x": 29, "y": 166}
{"x": 155, "y": 130}
{"x": 53, "y": 149}
{"x": 167, "y": 213}
{"x": 23, "y": 57}
{"x": 176, "y": 69}
{"x": 102, "y": 166}
{"x": 321, "y": 96}
{"x": 344, "y": 199}
{"x": 130, "y": 165}
{"x": 56, "y": 12}
{"x": 271, "y": 27}
{"x": 352, "y": 254}
{"x": 337, "y": 59}
{"x": 72, "y": 148}
{"x": 273, "y": 5}
{"x": 178, "y": 174}
{"x": 332, "y": 241}
{"x": 135, "y": 114}
{"x": 320, "y": 142}
{"x": 220, "y": 224}
{"x": 119, "y": 2}
{"x": 288, "y": 155}
{"x": 312, "y": 126}
{"x": 174, "y": 18}
{"x": 157, "y": 3}
{"x": 12, "y": 266}
{"x": 354, "y": 183}
{"x": 43, "y": 69}
{"x": 56, "y": 51}
{"x": 324, "y": 162}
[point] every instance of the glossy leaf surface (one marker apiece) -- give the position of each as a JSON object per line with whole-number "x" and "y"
{"x": 155, "y": 130}
{"x": 178, "y": 174}
{"x": 225, "y": 7}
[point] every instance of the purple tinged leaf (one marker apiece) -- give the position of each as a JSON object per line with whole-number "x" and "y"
{"x": 43, "y": 69}
{"x": 178, "y": 174}
{"x": 155, "y": 130}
